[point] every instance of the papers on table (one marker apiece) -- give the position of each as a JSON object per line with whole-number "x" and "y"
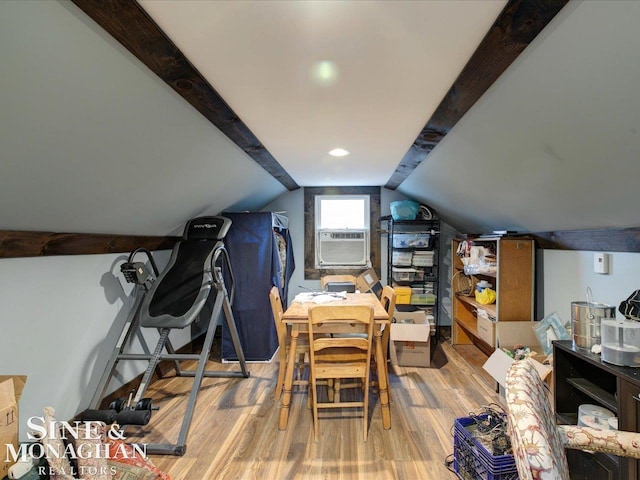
{"x": 319, "y": 297}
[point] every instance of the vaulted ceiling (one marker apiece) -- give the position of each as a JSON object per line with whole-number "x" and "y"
{"x": 498, "y": 114}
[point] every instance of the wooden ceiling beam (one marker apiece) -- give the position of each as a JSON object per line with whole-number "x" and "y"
{"x": 517, "y": 25}
{"x": 600, "y": 240}
{"x": 17, "y": 244}
{"x": 129, "y": 24}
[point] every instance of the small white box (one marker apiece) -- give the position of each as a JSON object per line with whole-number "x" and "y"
{"x": 601, "y": 262}
{"x": 486, "y": 328}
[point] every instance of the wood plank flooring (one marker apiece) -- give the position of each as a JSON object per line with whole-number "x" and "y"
{"x": 234, "y": 433}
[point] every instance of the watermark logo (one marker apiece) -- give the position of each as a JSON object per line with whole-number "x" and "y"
{"x": 78, "y": 441}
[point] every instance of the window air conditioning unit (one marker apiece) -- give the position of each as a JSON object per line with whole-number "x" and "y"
{"x": 342, "y": 248}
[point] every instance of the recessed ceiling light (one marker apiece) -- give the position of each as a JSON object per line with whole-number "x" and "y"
{"x": 324, "y": 73}
{"x": 339, "y": 152}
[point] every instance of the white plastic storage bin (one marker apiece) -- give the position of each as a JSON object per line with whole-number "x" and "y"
{"x": 426, "y": 287}
{"x": 423, "y": 258}
{"x": 403, "y": 274}
{"x": 411, "y": 240}
{"x": 402, "y": 258}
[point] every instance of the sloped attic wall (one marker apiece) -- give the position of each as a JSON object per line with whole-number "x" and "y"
{"x": 554, "y": 143}
{"x": 94, "y": 142}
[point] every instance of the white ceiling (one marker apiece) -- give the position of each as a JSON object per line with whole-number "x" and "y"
{"x": 395, "y": 61}
{"x": 93, "y": 141}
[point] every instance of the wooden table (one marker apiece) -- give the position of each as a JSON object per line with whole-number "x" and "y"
{"x": 297, "y": 315}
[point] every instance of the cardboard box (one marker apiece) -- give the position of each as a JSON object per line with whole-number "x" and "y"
{"x": 509, "y": 334}
{"x": 486, "y": 328}
{"x": 10, "y": 390}
{"x": 410, "y": 344}
{"x": 368, "y": 281}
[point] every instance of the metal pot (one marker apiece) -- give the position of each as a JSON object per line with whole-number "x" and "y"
{"x": 585, "y": 322}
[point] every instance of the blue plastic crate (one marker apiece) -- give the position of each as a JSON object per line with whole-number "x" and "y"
{"x": 490, "y": 461}
{"x": 472, "y": 461}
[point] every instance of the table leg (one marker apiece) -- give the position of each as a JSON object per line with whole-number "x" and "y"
{"x": 385, "y": 354}
{"x": 385, "y": 341}
{"x": 288, "y": 379}
{"x": 383, "y": 381}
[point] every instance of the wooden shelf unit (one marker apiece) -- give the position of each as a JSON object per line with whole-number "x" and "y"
{"x": 513, "y": 282}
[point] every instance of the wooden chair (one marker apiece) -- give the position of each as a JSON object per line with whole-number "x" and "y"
{"x": 388, "y": 300}
{"x": 339, "y": 350}
{"x": 337, "y": 278}
{"x": 302, "y": 347}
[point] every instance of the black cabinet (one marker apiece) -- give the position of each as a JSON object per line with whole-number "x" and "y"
{"x": 581, "y": 377}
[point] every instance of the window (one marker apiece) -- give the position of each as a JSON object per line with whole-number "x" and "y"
{"x": 342, "y": 231}
{"x": 342, "y": 212}
{"x": 325, "y": 216}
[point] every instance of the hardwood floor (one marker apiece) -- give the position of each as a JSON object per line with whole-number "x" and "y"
{"x": 234, "y": 433}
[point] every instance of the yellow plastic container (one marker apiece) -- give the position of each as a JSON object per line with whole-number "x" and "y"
{"x": 403, "y": 295}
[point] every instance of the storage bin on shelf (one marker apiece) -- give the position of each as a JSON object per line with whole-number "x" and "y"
{"x": 423, "y": 298}
{"x": 422, "y": 258}
{"x": 402, "y": 258}
{"x": 412, "y": 240}
{"x": 472, "y": 461}
{"x": 401, "y": 274}
{"x": 426, "y": 287}
{"x": 403, "y": 295}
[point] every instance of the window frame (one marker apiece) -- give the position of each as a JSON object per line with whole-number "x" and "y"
{"x": 310, "y": 193}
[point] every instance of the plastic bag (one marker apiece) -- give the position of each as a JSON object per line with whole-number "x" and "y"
{"x": 404, "y": 209}
{"x": 486, "y": 296}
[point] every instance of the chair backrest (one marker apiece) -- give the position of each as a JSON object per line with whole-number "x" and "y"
{"x": 276, "y": 308}
{"x": 340, "y": 334}
{"x": 184, "y": 288}
{"x": 537, "y": 446}
{"x": 388, "y": 300}
{"x": 338, "y": 279}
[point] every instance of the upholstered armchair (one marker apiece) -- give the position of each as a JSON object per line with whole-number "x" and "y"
{"x": 538, "y": 443}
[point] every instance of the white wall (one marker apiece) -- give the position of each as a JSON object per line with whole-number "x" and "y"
{"x": 293, "y": 204}
{"x": 60, "y": 319}
{"x": 567, "y": 274}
